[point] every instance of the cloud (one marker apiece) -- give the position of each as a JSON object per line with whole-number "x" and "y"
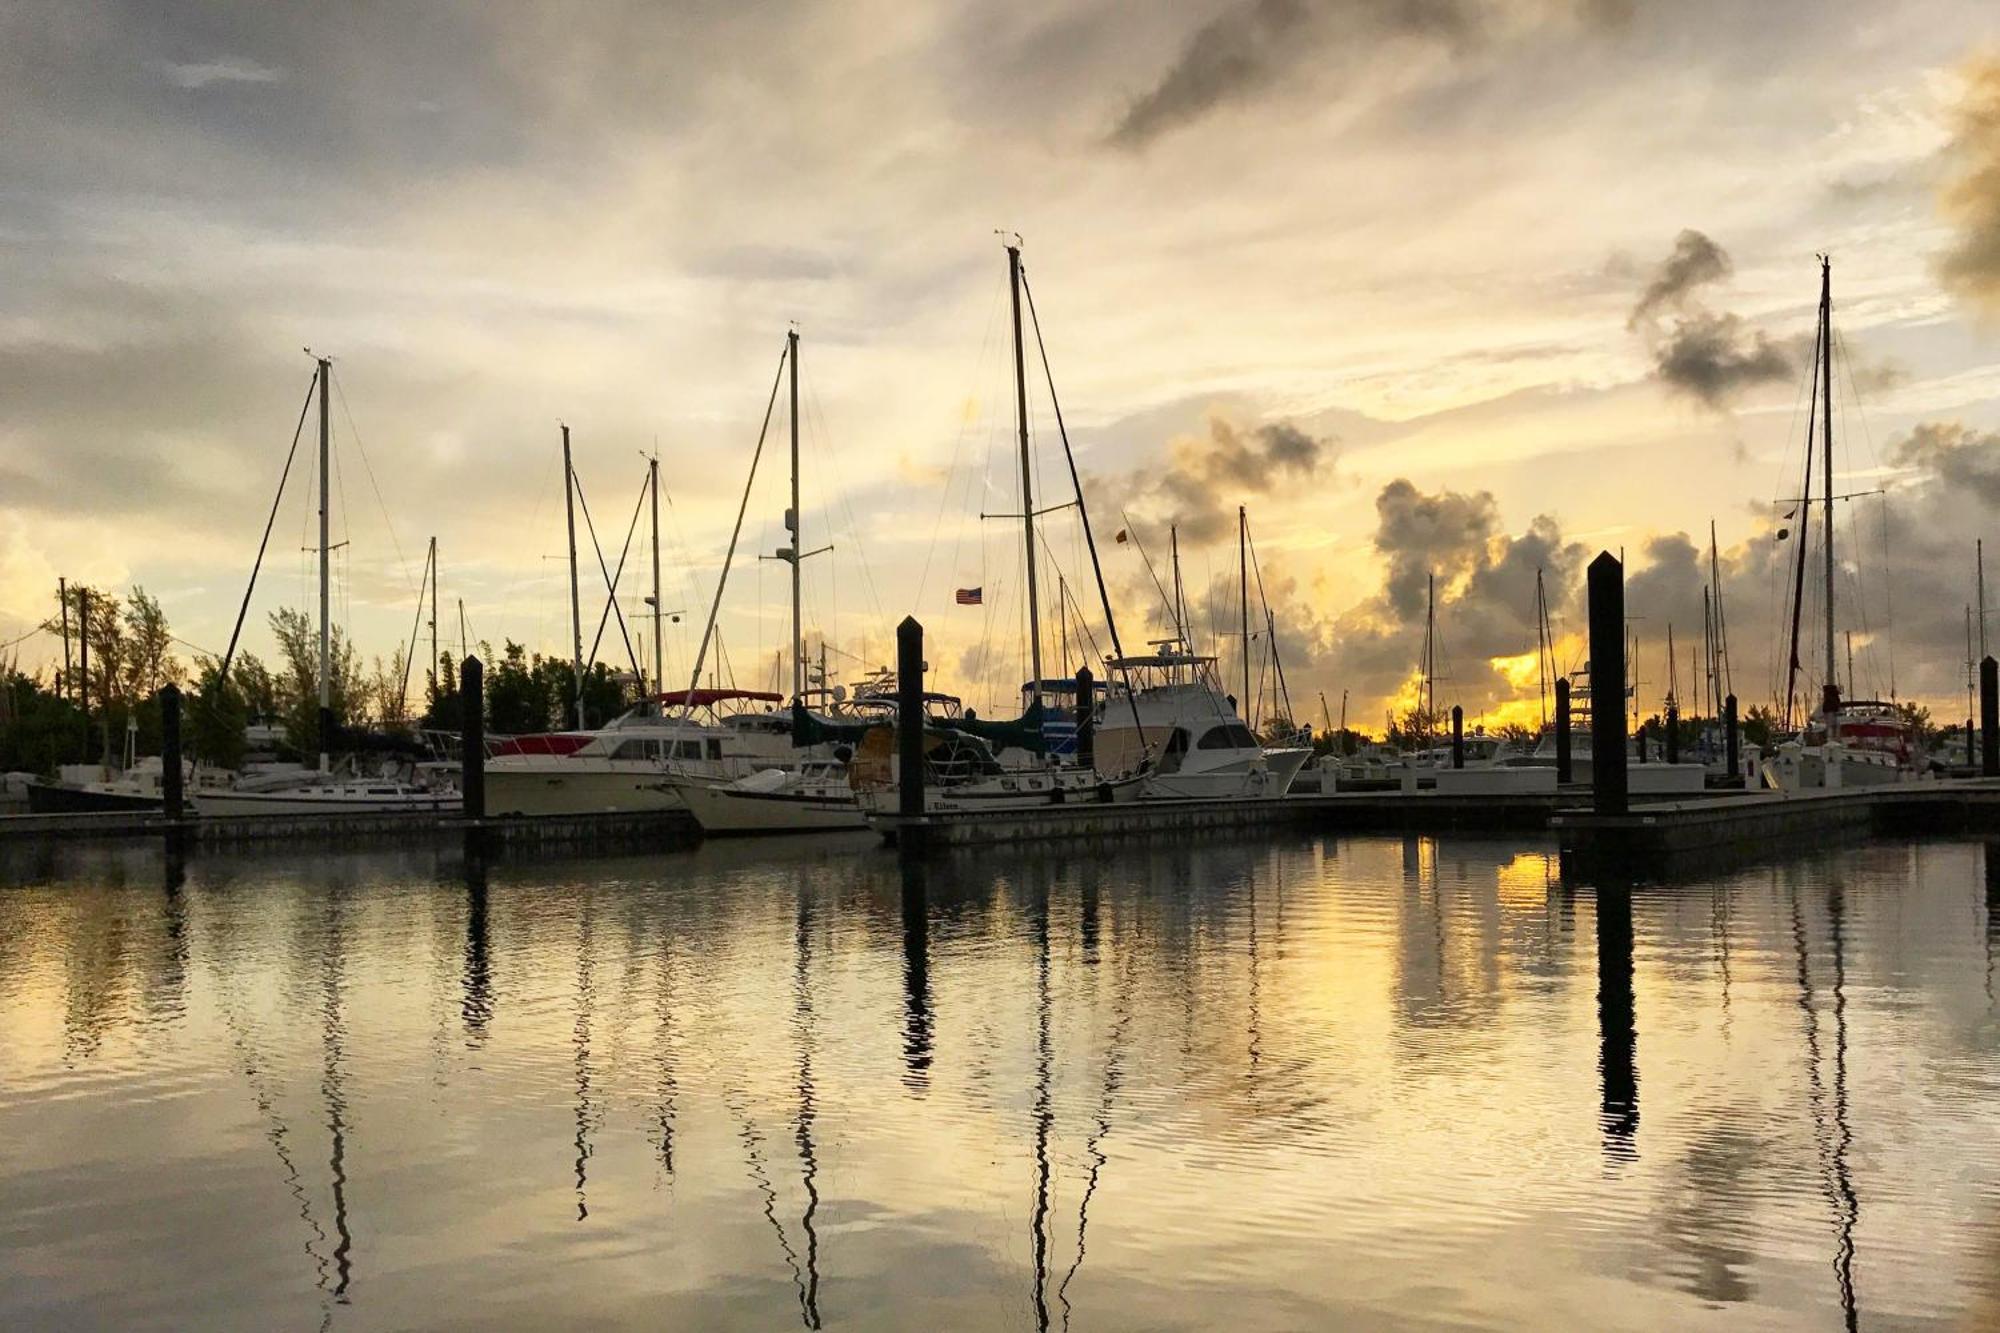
{"x": 1709, "y": 355}
{"x": 1696, "y": 260}
{"x": 209, "y": 73}
{"x": 1256, "y": 44}
{"x": 1207, "y": 478}
{"x": 1715, "y": 356}
{"x": 1971, "y": 198}
{"x": 1954, "y": 455}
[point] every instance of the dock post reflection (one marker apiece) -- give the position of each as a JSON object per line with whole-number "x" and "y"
{"x": 1617, "y": 1065}
{"x": 476, "y": 1007}
{"x": 917, "y": 1020}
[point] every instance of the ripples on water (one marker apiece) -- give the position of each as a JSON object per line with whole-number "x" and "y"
{"x": 1263, "y": 1085}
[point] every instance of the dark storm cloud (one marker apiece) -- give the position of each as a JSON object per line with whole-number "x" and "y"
{"x": 1248, "y": 48}
{"x": 1955, "y": 456}
{"x": 1696, "y": 260}
{"x": 1709, "y": 355}
{"x": 1971, "y": 264}
{"x": 1206, "y": 479}
{"x": 1713, "y": 357}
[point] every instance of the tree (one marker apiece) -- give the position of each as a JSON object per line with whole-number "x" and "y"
{"x": 1417, "y": 727}
{"x": 1759, "y": 725}
{"x": 298, "y": 687}
{"x": 387, "y": 703}
{"x": 42, "y": 728}
{"x": 518, "y": 693}
{"x": 216, "y": 716}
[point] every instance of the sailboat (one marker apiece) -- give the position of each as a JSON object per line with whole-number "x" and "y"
{"x": 1846, "y": 742}
{"x": 320, "y": 791}
{"x": 633, "y": 762}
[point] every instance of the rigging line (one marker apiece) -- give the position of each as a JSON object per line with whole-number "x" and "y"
{"x": 957, "y": 445}
{"x": 222, "y": 673}
{"x": 611, "y": 599}
{"x": 722, "y": 579}
{"x": 416, "y": 622}
{"x": 340, "y": 396}
{"x": 822, "y": 437}
{"x": 1271, "y": 625}
{"x": 610, "y": 584}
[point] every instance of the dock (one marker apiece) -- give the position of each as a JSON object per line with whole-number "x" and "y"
{"x": 638, "y": 831}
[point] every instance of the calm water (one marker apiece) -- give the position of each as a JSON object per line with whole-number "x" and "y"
{"x": 1263, "y": 1085}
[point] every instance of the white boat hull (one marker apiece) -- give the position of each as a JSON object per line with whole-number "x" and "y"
{"x": 731, "y": 810}
{"x": 229, "y": 804}
{"x": 579, "y": 791}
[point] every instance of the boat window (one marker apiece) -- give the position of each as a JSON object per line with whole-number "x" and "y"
{"x": 1229, "y": 736}
{"x": 634, "y": 749}
{"x": 687, "y": 749}
{"x": 1176, "y": 750}
{"x": 714, "y": 747}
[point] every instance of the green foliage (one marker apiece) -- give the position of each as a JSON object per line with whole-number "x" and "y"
{"x": 298, "y": 687}
{"x": 1418, "y": 727}
{"x": 215, "y": 717}
{"x": 39, "y": 729}
{"x": 1759, "y": 726}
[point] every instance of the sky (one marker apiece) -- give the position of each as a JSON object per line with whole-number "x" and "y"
{"x": 1430, "y": 287}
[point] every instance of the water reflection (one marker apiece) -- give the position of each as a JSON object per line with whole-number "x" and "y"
{"x": 1150, "y": 1089}
{"x": 1618, "y": 1035}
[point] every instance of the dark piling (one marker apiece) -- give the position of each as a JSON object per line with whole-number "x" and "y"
{"x": 173, "y": 798}
{"x": 1607, "y": 685}
{"x": 1732, "y": 738}
{"x": 1564, "y": 764}
{"x": 1673, "y": 721}
{"x": 1989, "y": 718}
{"x": 909, "y": 719}
{"x": 472, "y": 737}
{"x": 1086, "y": 718}
{"x": 1457, "y": 736}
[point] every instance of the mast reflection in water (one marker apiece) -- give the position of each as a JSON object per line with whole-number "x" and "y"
{"x": 1272, "y": 1083}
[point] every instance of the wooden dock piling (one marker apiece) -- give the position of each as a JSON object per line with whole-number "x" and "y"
{"x": 1607, "y": 685}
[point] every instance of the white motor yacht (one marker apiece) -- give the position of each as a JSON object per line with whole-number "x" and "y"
{"x": 1185, "y": 732}
{"x": 629, "y": 764}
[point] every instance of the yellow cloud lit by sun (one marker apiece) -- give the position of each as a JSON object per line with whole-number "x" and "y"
{"x": 1521, "y": 671}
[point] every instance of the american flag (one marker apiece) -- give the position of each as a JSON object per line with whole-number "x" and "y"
{"x": 971, "y": 596}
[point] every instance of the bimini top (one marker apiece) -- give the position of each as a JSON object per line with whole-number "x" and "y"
{"x": 708, "y": 698}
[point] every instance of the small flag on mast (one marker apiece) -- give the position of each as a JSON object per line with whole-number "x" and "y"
{"x": 971, "y": 596}
{"x": 1123, "y": 535}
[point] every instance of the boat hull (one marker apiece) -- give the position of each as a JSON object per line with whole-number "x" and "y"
{"x": 731, "y": 811}
{"x": 253, "y": 803}
{"x": 552, "y": 791}
{"x": 48, "y": 798}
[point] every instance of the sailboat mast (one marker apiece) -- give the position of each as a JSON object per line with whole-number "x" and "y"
{"x": 434, "y": 619}
{"x": 575, "y": 604}
{"x": 1979, "y": 590}
{"x": 1243, "y": 599}
{"x": 1430, "y": 655}
{"x": 325, "y": 632}
{"x": 659, "y": 652}
{"x": 1832, "y": 688}
{"x": 792, "y": 514}
{"x": 1027, "y": 476}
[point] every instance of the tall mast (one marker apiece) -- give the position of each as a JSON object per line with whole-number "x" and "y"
{"x": 1979, "y": 556}
{"x": 1027, "y": 479}
{"x": 575, "y": 605}
{"x": 1832, "y": 687}
{"x": 434, "y": 620}
{"x": 1243, "y": 597}
{"x": 659, "y": 653}
{"x": 792, "y": 515}
{"x": 1430, "y": 656}
{"x": 1542, "y": 646}
{"x": 325, "y": 633}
